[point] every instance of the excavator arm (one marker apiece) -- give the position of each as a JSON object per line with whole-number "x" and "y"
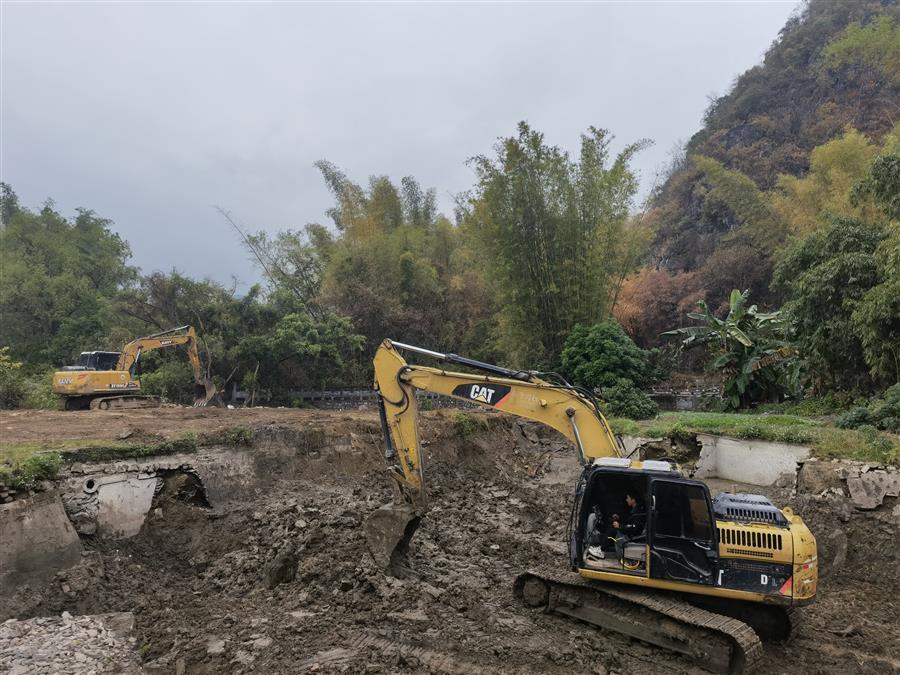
{"x": 204, "y": 389}
{"x": 571, "y": 411}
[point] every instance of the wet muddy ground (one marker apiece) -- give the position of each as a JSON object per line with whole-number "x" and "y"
{"x": 279, "y": 580}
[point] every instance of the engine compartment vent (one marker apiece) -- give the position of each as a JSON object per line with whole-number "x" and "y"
{"x": 746, "y": 508}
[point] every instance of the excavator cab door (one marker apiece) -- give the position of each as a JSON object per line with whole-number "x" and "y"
{"x": 682, "y": 532}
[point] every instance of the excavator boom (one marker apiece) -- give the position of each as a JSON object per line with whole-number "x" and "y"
{"x": 571, "y": 411}
{"x": 204, "y": 389}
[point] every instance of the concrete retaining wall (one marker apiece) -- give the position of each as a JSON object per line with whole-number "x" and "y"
{"x": 755, "y": 462}
{"x": 36, "y": 540}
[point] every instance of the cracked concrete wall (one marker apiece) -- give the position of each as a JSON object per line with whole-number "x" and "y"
{"x": 36, "y": 540}
{"x": 754, "y": 462}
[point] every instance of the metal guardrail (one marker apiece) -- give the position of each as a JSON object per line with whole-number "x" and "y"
{"x": 354, "y": 397}
{"x": 665, "y": 399}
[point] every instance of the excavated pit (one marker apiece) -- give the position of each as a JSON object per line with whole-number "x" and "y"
{"x": 255, "y": 559}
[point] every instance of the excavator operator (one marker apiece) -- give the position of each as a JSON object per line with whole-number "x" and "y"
{"x": 629, "y": 528}
{"x": 618, "y": 531}
{"x": 633, "y": 524}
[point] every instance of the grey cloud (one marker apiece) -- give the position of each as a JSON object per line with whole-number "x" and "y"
{"x": 151, "y": 114}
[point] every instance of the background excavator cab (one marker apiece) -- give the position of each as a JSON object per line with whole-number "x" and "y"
{"x": 94, "y": 361}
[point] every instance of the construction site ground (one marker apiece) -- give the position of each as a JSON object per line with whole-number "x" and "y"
{"x": 279, "y": 579}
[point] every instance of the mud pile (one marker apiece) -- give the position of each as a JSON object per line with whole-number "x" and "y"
{"x": 279, "y": 579}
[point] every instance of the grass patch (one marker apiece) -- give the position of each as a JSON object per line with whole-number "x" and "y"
{"x": 624, "y": 426}
{"x": 238, "y": 436}
{"x": 31, "y": 470}
{"x": 468, "y": 425}
{"x": 865, "y": 444}
{"x": 14, "y": 453}
{"x": 111, "y": 453}
{"x": 22, "y": 461}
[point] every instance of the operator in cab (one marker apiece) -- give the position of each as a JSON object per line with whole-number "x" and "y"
{"x": 633, "y": 524}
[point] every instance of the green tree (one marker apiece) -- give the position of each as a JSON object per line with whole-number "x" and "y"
{"x": 401, "y": 269}
{"x": 550, "y": 231}
{"x": 750, "y": 347}
{"x": 802, "y": 203}
{"x": 826, "y": 275}
{"x": 299, "y": 352}
{"x": 58, "y": 281}
{"x": 875, "y": 44}
{"x": 877, "y": 317}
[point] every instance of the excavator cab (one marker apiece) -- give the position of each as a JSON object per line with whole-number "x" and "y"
{"x": 95, "y": 361}
{"x": 674, "y": 526}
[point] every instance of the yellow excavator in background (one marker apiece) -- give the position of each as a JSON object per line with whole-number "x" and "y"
{"x": 705, "y": 577}
{"x": 106, "y": 380}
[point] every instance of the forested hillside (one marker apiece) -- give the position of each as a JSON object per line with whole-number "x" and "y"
{"x": 784, "y": 165}
{"x": 733, "y": 197}
{"x": 773, "y": 247}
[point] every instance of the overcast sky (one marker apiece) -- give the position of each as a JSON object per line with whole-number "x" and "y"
{"x": 151, "y": 114}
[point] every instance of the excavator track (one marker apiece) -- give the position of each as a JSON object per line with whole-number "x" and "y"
{"x": 717, "y": 643}
{"x": 126, "y": 402}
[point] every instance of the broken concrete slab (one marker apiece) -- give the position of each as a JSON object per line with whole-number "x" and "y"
{"x": 815, "y": 477}
{"x": 113, "y": 505}
{"x": 632, "y": 443}
{"x": 868, "y": 490}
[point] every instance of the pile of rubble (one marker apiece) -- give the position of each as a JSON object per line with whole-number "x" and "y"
{"x": 66, "y": 644}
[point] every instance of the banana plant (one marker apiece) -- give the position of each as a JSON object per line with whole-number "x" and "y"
{"x": 752, "y": 348}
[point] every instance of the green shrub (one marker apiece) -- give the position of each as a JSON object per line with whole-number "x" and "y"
{"x": 12, "y": 386}
{"x": 892, "y": 394}
{"x": 19, "y": 390}
{"x": 468, "y": 425}
{"x": 626, "y": 400}
{"x": 882, "y": 413}
{"x": 603, "y": 354}
{"x": 853, "y": 418}
{"x": 39, "y": 392}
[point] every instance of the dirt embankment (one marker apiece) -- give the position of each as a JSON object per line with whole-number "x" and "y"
{"x": 51, "y": 426}
{"x": 280, "y": 580}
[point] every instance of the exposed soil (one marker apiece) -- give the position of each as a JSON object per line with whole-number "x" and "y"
{"x": 282, "y": 581}
{"x": 50, "y": 426}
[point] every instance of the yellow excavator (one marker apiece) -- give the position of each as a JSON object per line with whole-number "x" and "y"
{"x": 704, "y": 577}
{"x": 106, "y": 380}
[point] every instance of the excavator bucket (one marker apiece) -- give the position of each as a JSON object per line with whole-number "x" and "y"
{"x": 388, "y": 531}
{"x": 204, "y": 394}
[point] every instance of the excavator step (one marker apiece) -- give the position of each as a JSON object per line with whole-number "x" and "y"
{"x": 717, "y": 643}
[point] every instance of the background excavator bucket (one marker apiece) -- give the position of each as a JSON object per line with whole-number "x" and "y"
{"x": 388, "y": 531}
{"x": 204, "y": 394}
